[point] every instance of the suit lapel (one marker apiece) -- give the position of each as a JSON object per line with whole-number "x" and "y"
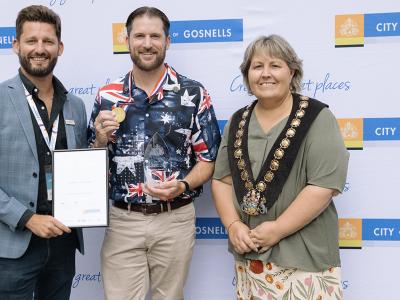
{"x": 18, "y": 98}
{"x": 69, "y": 128}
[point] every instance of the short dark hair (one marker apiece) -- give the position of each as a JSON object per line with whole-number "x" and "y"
{"x": 38, "y": 13}
{"x": 148, "y": 11}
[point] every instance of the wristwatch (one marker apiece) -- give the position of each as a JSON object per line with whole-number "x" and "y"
{"x": 187, "y": 187}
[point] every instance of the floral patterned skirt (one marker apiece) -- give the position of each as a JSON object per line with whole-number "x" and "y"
{"x": 256, "y": 280}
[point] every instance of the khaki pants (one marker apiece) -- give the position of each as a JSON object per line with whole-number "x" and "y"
{"x": 139, "y": 247}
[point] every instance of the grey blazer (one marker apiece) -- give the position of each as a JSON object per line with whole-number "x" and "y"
{"x": 19, "y": 165}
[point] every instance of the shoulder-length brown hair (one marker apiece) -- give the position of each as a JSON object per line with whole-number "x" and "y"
{"x": 278, "y": 47}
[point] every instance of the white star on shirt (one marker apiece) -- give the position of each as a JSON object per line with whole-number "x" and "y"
{"x": 186, "y": 99}
{"x": 166, "y": 118}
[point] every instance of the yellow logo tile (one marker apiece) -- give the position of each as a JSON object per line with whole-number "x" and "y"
{"x": 350, "y": 233}
{"x": 352, "y": 132}
{"x": 349, "y": 30}
{"x": 119, "y": 38}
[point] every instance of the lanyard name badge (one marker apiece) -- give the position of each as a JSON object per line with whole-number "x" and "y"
{"x": 50, "y": 141}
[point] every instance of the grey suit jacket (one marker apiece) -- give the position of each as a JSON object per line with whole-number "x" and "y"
{"x": 19, "y": 165}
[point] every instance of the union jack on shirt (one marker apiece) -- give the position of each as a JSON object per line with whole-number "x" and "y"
{"x": 178, "y": 114}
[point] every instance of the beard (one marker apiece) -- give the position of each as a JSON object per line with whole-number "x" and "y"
{"x": 37, "y": 71}
{"x": 145, "y": 66}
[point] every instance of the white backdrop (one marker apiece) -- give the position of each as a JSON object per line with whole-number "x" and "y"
{"x": 359, "y": 83}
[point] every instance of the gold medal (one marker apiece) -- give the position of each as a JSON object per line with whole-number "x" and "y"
{"x": 119, "y": 114}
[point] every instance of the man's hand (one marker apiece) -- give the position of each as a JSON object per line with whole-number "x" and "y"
{"x": 105, "y": 124}
{"x": 46, "y": 226}
{"x": 165, "y": 190}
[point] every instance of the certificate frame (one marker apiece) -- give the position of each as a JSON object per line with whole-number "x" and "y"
{"x": 80, "y": 187}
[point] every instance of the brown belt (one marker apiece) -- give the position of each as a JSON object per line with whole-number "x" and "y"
{"x": 154, "y": 208}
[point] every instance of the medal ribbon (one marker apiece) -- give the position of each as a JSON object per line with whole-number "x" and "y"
{"x": 159, "y": 83}
{"x": 51, "y": 143}
{"x": 155, "y": 89}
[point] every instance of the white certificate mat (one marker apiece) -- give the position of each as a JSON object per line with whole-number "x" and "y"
{"x": 80, "y": 187}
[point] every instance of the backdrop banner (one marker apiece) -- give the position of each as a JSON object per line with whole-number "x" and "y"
{"x": 350, "y": 52}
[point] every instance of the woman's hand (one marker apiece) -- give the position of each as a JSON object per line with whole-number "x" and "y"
{"x": 240, "y": 238}
{"x": 265, "y": 235}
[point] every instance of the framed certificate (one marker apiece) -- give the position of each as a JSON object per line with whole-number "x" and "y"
{"x": 80, "y": 187}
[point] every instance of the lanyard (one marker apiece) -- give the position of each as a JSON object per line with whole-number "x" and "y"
{"x": 51, "y": 143}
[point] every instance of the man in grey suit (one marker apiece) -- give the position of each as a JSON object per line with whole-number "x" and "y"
{"x": 37, "y": 115}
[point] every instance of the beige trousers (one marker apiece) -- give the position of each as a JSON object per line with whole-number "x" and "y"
{"x": 139, "y": 248}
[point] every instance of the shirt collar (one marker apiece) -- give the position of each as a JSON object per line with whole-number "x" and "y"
{"x": 33, "y": 90}
{"x": 168, "y": 82}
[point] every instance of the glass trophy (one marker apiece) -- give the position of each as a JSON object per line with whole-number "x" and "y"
{"x": 156, "y": 165}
